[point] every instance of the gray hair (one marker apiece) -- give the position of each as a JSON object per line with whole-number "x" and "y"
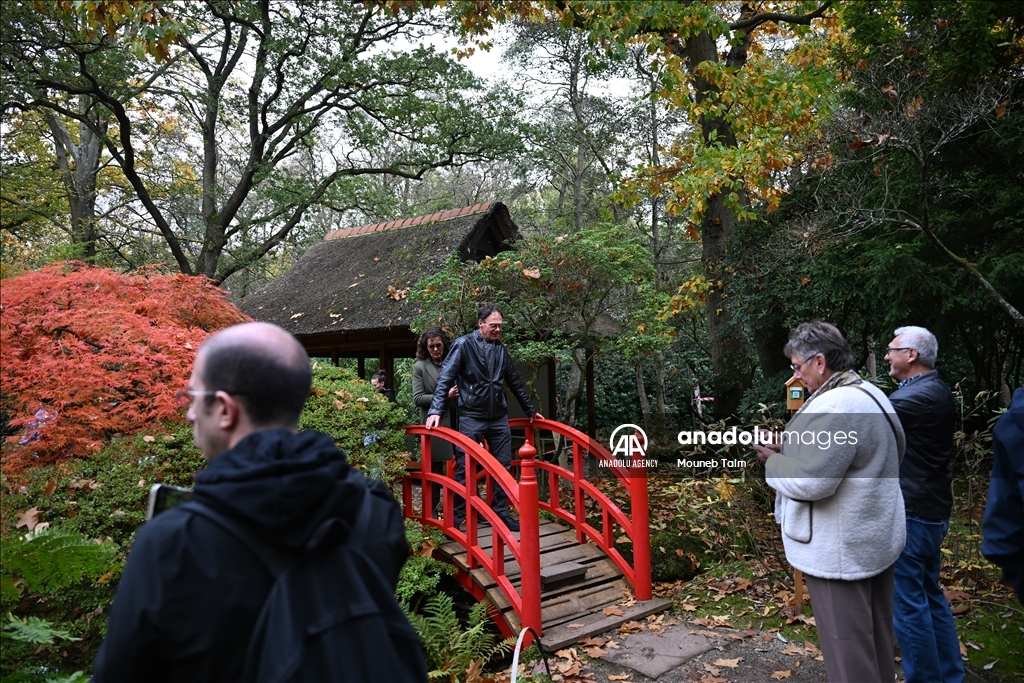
{"x": 812, "y": 338}
{"x": 921, "y": 340}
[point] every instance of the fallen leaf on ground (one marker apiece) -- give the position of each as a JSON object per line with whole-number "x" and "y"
{"x": 28, "y": 519}
{"x": 51, "y": 486}
{"x": 595, "y": 652}
{"x": 613, "y": 611}
{"x": 612, "y": 644}
{"x": 729, "y": 663}
{"x": 779, "y": 675}
{"x": 575, "y": 626}
{"x": 616, "y": 677}
{"x": 689, "y": 608}
{"x": 708, "y": 678}
{"x": 713, "y": 670}
{"x": 593, "y": 641}
{"x": 631, "y": 627}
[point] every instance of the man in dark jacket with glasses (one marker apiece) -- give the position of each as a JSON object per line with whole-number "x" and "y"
{"x": 480, "y": 365}
{"x": 922, "y": 619}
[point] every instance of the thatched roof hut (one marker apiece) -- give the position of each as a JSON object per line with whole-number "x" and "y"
{"x": 346, "y": 297}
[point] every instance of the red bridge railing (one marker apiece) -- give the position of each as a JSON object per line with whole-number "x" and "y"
{"x": 634, "y": 478}
{"x": 524, "y": 496}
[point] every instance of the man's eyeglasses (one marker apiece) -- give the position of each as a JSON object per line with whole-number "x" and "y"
{"x": 183, "y": 397}
{"x": 890, "y": 349}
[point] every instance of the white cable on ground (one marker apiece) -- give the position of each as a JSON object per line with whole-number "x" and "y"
{"x": 519, "y": 645}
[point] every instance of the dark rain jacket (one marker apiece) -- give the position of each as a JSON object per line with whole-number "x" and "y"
{"x": 1003, "y": 525}
{"x": 191, "y": 592}
{"x": 480, "y": 368}
{"x": 927, "y": 412}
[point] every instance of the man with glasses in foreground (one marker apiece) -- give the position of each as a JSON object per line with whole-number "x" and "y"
{"x": 922, "y": 619}
{"x": 191, "y": 591}
{"x": 480, "y": 365}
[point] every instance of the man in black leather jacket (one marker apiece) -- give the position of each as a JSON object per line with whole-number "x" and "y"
{"x": 922, "y": 618}
{"x": 480, "y": 365}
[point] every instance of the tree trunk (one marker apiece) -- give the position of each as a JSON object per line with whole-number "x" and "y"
{"x": 729, "y": 357}
{"x": 79, "y": 164}
{"x": 645, "y": 405}
{"x": 660, "y": 422}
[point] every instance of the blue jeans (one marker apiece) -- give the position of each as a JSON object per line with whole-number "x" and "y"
{"x": 922, "y": 619}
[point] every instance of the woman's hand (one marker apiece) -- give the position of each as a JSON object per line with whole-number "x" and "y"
{"x": 765, "y": 452}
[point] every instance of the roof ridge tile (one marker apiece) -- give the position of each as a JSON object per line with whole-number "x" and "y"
{"x": 409, "y": 222}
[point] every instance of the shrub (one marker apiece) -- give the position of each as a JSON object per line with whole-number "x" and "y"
{"x": 675, "y": 556}
{"x": 87, "y": 353}
{"x": 363, "y": 423}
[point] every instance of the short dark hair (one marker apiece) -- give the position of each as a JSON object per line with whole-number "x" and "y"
{"x": 432, "y": 333}
{"x": 810, "y": 339}
{"x": 381, "y": 377}
{"x": 272, "y": 391}
{"x": 485, "y": 311}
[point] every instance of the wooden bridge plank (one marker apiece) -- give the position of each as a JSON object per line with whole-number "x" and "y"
{"x": 578, "y": 604}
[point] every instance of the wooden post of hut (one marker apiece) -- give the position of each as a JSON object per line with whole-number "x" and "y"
{"x": 796, "y": 394}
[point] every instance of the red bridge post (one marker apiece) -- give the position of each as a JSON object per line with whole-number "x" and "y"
{"x": 529, "y": 536}
{"x": 641, "y": 529}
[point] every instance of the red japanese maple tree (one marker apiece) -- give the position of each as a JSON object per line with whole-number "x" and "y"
{"x": 87, "y": 352}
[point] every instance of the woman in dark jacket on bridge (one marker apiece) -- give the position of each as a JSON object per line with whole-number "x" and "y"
{"x": 431, "y": 352}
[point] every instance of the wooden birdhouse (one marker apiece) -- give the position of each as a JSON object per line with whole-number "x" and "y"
{"x": 796, "y": 394}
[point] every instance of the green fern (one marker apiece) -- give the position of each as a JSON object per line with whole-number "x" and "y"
{"x": 50, "y": 559}
{"x": 34, "y": 630}
{"x": 451, "y": 650}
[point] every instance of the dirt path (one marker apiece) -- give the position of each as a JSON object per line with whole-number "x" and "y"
{"x": 682, "y": 652}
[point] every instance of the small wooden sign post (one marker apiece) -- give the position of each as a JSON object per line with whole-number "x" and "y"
{"x": 796, "y": 394}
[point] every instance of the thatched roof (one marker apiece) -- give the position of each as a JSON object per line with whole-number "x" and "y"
{"x": 357, "y": 278}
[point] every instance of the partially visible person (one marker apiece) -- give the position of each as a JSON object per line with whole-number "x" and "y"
{"x": 380, "y": 384}
{"x": 923, "y": 620}
{"x": 480, "y": 366}
{"x": 1003, "y": 525}
{"x": 431, "y": 351}
{"x": 191, "y": 591}
{"x": 839, "y": 504}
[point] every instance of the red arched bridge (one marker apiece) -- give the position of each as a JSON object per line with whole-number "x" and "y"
{"x": 561, "y": 575}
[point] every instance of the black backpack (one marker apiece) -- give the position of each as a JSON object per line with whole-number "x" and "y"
{"x": 330, "y": 615}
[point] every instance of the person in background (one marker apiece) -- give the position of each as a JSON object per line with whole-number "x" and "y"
{"x": 839, "y": 503}
{"x": 922, "y": 618}
{"x": 380, "y": 383}
{"x": 431, "y": 351}
{"x": 480, "y": 366}
{"x": 1003, "y": 524}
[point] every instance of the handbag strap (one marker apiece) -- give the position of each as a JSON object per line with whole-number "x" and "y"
{"x": 884, "y": 411}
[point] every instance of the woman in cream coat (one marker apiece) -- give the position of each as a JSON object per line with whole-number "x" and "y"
{"x": 431, "y": 351}
{"x": 836, "y": 474}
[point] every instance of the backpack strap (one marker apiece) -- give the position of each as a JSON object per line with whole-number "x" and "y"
{"x": 275, "y": 562}
{"x": 884, "y": 412}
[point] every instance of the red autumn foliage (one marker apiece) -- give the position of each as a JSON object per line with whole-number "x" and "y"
{"x": 87, "y": 352}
